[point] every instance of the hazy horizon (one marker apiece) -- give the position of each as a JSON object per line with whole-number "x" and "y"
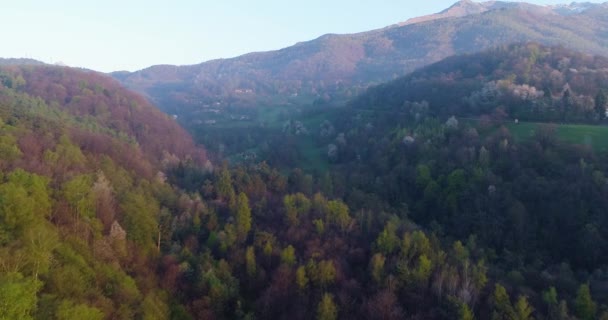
{"x": 116, "y": 36}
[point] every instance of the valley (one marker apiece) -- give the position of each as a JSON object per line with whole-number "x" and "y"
{"x": 452, "y": 166}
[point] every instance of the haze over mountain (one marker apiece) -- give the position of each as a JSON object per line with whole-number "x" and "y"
{"x": 333, "y": 63}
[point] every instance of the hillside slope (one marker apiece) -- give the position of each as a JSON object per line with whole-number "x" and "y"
{"x": 84, "y": 205}
{"x": 339, "y": 63}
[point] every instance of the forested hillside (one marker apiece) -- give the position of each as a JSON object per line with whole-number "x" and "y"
{"x": 428, "y": 200}
{"x": 83, "y": 198}
{"x": 526, "y": 82}
{"x": 416, "y": 214}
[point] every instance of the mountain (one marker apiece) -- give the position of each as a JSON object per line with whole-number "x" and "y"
{"x": 339, "y": 65}
{"x": 527, "y": 81}
{"x": 84, "y": 198}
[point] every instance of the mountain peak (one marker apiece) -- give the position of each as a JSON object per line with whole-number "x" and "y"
{"x": 458, "y": 9}
{"x": 464, "y": 7}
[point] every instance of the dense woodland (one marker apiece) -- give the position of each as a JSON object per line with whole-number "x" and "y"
{"x": 82, "y": 196}
{"x": 428, "y": 208}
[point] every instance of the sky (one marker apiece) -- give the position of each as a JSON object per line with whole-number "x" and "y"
{"x": 113, "y": 35}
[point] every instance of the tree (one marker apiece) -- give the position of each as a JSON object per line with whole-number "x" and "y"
{"x": 319, "y": 226}
{"x": 502, "y": 309}
{"x": 24, "y": 205}
{"x": 154, "y": 307}
{"x": 465, "y": 313}
{"x": 584, "y": 305}
{"x": 140, "y": 212}
{"x": 77, "y": 191}
{"x": 250, "y": 263}
{"x": 387, "y": 240}
{"x": 301, "y": 278}
{"x": 243, "y": 216}
{"x": 523, "y": 310}
{"x": 104, "y": 198}
{"x": 423, "y": 270}
{"x": 338, "y": 214}
{"x": 288, "y": 256}
{"x": 18, "y": 296}
{"x": 327, "y": 309}
{"x": 327, "y": 273}
{"x": 295, "y": 206}
{"x": 224, "y": 184}
{"x": 68, "y": 310}
{"x": 377, "y": 267}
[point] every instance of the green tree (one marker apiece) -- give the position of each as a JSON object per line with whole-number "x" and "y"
{"x": 243, "y": 216}
{"x": 301, "y": 278}
{"x": 319, "y": 226}
{"x": 387, "y": 240}
{"x": 77, "y": 191}
{"x": 584, "y": 305}
{"x": 502, "y": 308}
{"x": 423, "y": 270}
{"x": 288, "y": 255}
{"x": 140, "y": 212}
{"x": 338, "y": 214}
{"x": 224, "y": 184}
{"x": 295, "y": 205}
{"x": 465, "y": 313}
{"x": 68, "y": 310}
{"x": 8, "y": 149}
{"x": 327, "y": 273}
{"x": 523, "y": 310}
{"x": 327, "y": 309}
{"x": 24, "y": 202}
{"x": 18, "y": 296}
{"x": 267, "y": 249}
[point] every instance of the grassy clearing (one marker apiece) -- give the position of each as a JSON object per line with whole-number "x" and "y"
{"x": 595, "y": 136}
{"x": 312, "y": 156}
{"x": 589, "y": 135}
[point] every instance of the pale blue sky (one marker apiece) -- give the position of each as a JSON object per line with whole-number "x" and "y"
{"x": 112, "y": 35}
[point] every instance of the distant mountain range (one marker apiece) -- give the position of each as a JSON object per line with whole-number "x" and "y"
{"x": 333, "y": 64}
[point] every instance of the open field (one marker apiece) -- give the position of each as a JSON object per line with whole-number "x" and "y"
{"x": 595, "y": 136}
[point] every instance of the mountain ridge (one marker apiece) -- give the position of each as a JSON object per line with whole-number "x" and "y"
{"x": 334, "y": 65}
